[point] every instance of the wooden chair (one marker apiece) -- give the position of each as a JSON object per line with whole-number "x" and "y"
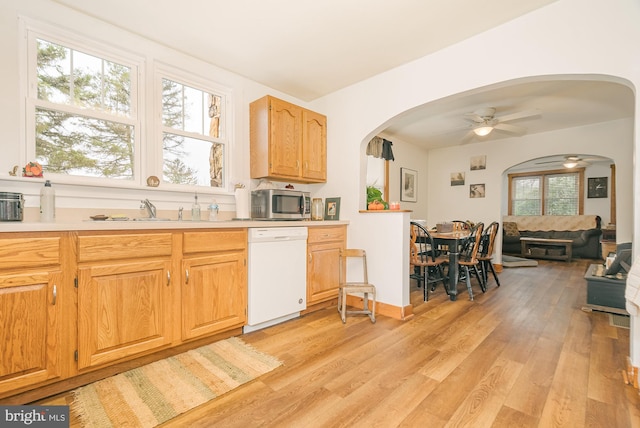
{"x": 354, "y": 287}
{"x": 468, "y": 258}
{"x": 425, "y": 264}
{"x": 485, "y": 253}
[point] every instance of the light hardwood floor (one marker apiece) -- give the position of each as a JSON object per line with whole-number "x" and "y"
{"x": 522, "y": 355}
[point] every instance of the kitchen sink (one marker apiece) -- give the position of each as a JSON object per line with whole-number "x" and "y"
{"x": 151, "y": 219}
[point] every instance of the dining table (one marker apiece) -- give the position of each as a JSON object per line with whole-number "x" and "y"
{"x": 453, "y": 242}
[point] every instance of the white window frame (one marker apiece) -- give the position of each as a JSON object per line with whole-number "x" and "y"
{"x": 35, "y": 30}
{"x": 543, "y": 177}
{"x": 155, "y": 164}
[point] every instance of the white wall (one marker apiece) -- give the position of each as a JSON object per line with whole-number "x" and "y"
{"x": 568, "y": 37}
{"x": 583, "y": 38}
{"x": 67, "y": 196}
{"x": 610, "y": 139}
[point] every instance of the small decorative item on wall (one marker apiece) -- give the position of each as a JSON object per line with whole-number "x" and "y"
{"x": 457, "y": 178}
{"x": 332, "y": 209}
{"x": 478, "y": 162}
{"x": 597, "y": 187}
{"x": 408, "y": 185}
{"x": 476, "y": 191}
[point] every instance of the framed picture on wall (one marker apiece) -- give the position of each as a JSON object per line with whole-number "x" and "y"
{"x": 408, "y": 185}
{"x": 478, "y": 162}
{"x": 597, "y": 187}
{"x": 457, "y": 178}
{"x": 476, "y": 191}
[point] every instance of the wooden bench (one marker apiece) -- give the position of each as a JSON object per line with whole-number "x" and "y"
{"x": 543, "y": 248}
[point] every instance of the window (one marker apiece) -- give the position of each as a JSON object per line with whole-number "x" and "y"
{"x": 82, "y": 111}
{"x": 193, "y": 134}
{"x": 546, "y": 193}
{"x": 86, "y": 119}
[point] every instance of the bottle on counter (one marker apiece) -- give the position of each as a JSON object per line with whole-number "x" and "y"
{"x": 317, "y": 209}
{"x": 195, "y": 210}
{"x": 47, "y": 203}
{"x": 213, "y": 211}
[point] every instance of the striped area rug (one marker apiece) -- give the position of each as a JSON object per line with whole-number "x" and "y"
{"x": 150, "y": 395}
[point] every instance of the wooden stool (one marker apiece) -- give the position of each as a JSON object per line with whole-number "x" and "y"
{"x": 351, "y": 287}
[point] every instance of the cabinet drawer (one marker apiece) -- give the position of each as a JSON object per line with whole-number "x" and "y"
{"x": 120, "y": 246}
{"x": 210, "y": 241}
{"x": 325, "y": 234}
{"x": 29, "y": 252}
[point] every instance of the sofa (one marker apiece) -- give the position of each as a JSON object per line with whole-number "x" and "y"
{"x": 584, "y": 231}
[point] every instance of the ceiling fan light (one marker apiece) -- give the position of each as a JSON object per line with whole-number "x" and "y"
{"x": 481, "y": 131}
{"x": 570, "y": 164}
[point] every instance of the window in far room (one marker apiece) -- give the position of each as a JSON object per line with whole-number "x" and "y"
{"x": 546, "y": 193}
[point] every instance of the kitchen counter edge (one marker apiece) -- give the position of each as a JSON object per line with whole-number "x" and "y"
{"x": 155, "y": 225}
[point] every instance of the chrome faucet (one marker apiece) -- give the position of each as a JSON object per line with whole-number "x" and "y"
{"x": 151, "y": 209}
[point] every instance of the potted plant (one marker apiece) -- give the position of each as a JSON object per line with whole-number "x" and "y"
{"x": 374, "y": 199}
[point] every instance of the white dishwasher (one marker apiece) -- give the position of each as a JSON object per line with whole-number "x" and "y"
{"x": 277, "y": 275}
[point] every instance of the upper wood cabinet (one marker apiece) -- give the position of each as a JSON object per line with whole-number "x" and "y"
{"x": 288, "y": 142}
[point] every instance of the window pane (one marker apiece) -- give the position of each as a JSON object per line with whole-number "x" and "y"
{"x": 561, "y": 192}
{"x": 83, "y": 146}
{"x": 192, "y": 161}
{"x": 96, "y": 84}
{"x": 54, "y": 71}
{"x": 190, "y": 109}
{"x": 526, "y": 198}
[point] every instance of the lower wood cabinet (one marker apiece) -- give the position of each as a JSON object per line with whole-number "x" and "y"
{"x": 214, "y": 282}
{"x": 33, "y": 296}
{"x": 124, "y": 308}
{"x": 324, "y": 245}
{"x": 72, "y": 303}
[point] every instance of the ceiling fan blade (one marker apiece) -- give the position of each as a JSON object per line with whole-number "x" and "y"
{"x": 474, "y": 117}
{"x": 519, "y": 115}
{"x": 467, "y": 138}
{"x": 518, "y": 130}
{"x": 551, "y": 161}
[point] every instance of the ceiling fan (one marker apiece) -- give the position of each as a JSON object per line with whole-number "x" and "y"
{"x": 485, "y": 121}
{"x": 570, "y": 161}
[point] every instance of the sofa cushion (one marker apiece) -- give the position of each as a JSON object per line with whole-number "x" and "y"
{"x": 510, "y": 228}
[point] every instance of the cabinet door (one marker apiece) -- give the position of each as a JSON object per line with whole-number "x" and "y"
{"x": 285, "y": 142}
{"x": 29, "y": 329}
{"x": 123, "y": 309}
{"x": 323, "y": 271}
{"x": 214, "y": 294}
{"x": 314, "y": 146}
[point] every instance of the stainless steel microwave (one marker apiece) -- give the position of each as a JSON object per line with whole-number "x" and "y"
{"x": 280, "y": 204}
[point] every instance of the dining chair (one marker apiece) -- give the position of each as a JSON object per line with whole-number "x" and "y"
{"x": 362, "y": 286}
{"x": 468, "y": 260}
{"x": 485, "y": 252}
{"x": 425, "y": 263}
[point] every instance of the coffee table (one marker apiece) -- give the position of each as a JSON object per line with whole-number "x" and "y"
{"x": 546, "y": 248}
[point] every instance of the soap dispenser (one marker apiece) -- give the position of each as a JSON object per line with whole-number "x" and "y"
{"x": 195, "y": 210}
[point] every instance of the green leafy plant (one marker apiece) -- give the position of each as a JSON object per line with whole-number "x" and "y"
{"x": 375, "y": 194}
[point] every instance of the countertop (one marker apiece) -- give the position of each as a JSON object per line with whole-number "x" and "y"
{"x": 18, "y": 226}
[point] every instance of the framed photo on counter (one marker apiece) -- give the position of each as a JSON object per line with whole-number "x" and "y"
{"x": 332, "y": 209}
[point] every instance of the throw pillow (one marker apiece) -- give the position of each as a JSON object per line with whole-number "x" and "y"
{"x": 510, "y": 228}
